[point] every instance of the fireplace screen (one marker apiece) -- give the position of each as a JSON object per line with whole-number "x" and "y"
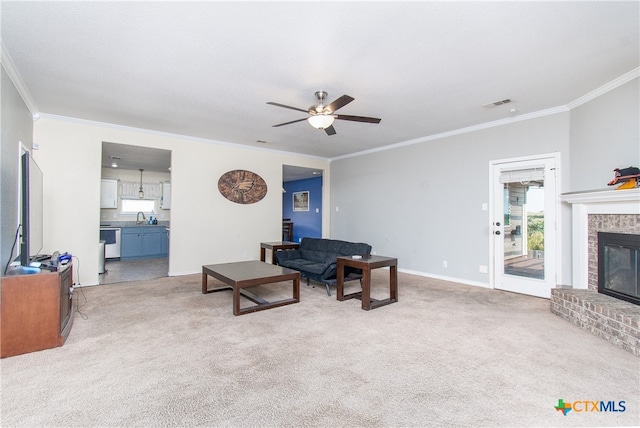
{"x": 619, "y": 265}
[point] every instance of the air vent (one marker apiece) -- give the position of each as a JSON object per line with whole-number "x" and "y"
{"x": 498, "y": 103}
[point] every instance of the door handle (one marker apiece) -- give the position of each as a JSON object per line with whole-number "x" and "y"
{"x": 497, "y": 232}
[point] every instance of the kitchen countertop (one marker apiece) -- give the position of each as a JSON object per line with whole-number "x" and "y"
{"x": 133, "y": 224}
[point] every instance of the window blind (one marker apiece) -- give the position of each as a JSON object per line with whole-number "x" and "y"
{"x": 129, "y": 189}
{"x": 522, "y": 175}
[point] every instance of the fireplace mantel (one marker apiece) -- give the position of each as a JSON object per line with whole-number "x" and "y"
{"x": 594, "y": 202}
{"x": 602, "y": 196}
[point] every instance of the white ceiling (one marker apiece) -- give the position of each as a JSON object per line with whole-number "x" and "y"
{"x": 126, "y": 156}
{"x": 207, "y": 69}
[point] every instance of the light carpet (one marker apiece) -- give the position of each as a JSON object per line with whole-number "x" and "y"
{"x": 160, "y": 353}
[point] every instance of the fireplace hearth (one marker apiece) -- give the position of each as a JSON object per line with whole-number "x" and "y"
{"x": 619, "y": 266}
{"x": 609, "y": 316}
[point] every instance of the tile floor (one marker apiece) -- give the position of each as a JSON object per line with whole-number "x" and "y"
{"x": 133, "y": 270}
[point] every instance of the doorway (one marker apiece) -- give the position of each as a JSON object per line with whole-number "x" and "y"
{"x": 136, "y": 202}
{"x": 302, "y": 198}
{"x": 523, "y": 227}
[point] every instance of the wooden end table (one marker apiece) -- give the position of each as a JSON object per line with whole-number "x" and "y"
{"x": 367, "y": 264}
{"x": 240, "y": 275}
{"x": 276, "y": 246}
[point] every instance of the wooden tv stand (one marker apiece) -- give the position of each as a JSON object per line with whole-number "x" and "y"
{"x": 36, "y": 311}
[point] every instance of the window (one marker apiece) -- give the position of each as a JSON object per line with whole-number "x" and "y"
{"x": 507, "y": 206}
{"x": 133, "y": 206}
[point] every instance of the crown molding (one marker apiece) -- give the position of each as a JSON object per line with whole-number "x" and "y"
{"x": 474, "y": 128}
{"x": 625, "y": 78}
{"x": 9, "y": 66}
{"x": 12, "y": 72}
{"x": 169, "y": 135}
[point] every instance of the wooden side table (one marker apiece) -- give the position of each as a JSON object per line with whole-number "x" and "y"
{"x": 367, "y": 264}
{"x": 276, "y": 246}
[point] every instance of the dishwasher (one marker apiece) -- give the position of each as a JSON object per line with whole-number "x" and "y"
{"x": 111, "y": 238}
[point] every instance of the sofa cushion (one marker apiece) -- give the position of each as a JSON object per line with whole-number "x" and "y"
{"x": 287, "y": 255}
{"x": 318, "y": 256}
{"x": 335, "y": 246}
{"x": 302, "y": 265}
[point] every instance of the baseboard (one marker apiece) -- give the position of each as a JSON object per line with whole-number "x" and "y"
{"x": 446, "y": 278}
{"x": 184, "y": 273}
{"x": 86, "y": 284}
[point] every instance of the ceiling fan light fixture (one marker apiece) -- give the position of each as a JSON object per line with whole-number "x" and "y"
{"x": 321, "y": 121}
{"x": 322, "y": 116}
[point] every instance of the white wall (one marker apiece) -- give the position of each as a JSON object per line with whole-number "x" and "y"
{"x": 17, "y": 126}
{"x": 605, "y": 134}
{"x": 205, "y": 227}
{"x": 422, "y": 203}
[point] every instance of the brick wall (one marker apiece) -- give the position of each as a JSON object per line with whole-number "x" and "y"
{"x": 615, "y": 223}
{"x": 615, "y": 320}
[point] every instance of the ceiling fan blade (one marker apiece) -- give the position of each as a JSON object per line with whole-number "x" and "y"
{"x": 287, "y": 123}
{"x": 285, "y": 106}
{"x": 339, "y": 103}
{"x": 357, "y": 118}
{"x": 330, "y": 130}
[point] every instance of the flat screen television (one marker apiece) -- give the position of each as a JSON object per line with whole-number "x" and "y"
{"x": 31, "y": 213}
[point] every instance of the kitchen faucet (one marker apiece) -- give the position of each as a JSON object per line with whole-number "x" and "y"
{"x": 138, "y": 217}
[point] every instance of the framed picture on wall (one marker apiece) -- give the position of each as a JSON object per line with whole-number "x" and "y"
{"x": 301, "y": 201}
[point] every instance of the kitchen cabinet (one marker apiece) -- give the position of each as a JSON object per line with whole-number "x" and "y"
{"x": 165, "y": 242}
{"x": 143, "y": 242}
{"x": 108, "y": 193}
{"x": 165, "y": 202}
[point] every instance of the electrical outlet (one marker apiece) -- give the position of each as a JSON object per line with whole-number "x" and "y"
{"x": 483, "y": 269}
{"x": 444, "y": 263}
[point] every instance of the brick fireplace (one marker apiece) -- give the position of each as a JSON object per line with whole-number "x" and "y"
{"x": 612, "y": 319}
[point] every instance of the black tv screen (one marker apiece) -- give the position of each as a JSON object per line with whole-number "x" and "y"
{"x": 31, "y": 216}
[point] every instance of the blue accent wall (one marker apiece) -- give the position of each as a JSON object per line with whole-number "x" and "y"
{"x": 305, "y": 223}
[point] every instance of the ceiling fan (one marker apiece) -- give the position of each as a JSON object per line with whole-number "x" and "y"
{"x": 322, "y": 116}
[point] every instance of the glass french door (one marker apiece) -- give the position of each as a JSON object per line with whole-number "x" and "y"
{"x": 524, "y": 225}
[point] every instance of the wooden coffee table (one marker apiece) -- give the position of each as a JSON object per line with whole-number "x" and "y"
{"x": 241, "y": 275}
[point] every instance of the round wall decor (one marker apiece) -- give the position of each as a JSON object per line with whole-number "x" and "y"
{"x": 242, "y": 187}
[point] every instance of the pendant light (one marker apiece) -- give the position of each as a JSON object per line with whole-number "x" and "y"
{"x": 140, "y": 191}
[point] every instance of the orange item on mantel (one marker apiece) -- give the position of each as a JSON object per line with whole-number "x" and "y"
{"x": 630, "y": 184}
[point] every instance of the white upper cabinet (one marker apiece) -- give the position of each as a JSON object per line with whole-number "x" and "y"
{"x": 109, "y": 193}
{"x": 165, "y": 202}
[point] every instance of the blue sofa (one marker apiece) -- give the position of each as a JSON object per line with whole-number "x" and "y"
{"x": 315, "y": 259}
